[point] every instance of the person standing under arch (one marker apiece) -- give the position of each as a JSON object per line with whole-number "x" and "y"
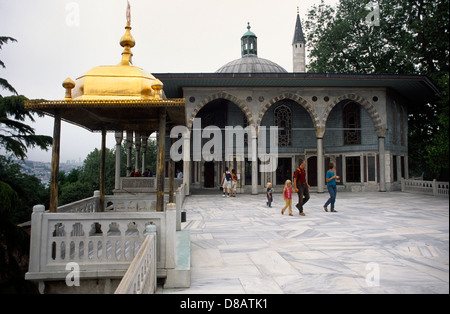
{"x": 226, "y": 182}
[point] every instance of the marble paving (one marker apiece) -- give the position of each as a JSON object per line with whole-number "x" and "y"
{"x": 377, "y": 243}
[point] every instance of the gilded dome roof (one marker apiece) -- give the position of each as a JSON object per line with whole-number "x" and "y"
{"x": 121, "y": 81}
{"x": 115, "y": 82}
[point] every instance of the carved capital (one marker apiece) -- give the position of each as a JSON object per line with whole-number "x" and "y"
{"x": 320, "y": 133}
{"x": 381, "y": 133}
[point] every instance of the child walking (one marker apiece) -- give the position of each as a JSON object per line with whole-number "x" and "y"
{"x": 287, "y": 194}
{"x": 269, "y": 194}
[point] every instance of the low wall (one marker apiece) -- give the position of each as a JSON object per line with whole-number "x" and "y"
{"x": 435, "y": 188}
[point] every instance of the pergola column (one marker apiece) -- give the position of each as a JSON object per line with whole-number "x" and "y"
{"x": 55, "y": 163}
{"x": 137, "y": 144}
{"x": 119, "y": 138}
{"x": 161, "y": 160}
{"x": 144, "y": 139}
{"x": 129, "y": 144}
{"x": 101, "y": 205}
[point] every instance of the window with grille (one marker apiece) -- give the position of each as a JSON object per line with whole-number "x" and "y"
{"x": 352, "y": 124}
{"x": 283, "y": 120}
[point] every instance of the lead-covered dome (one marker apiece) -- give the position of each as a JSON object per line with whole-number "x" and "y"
{"x": 250, "y": 62}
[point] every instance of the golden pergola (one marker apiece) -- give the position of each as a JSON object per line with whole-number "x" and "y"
{"x": 113, "y": 98}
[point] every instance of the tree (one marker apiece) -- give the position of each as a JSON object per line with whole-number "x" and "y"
{"x": 15, "y": 135}
{"x": 15, "y": 189}
{"x": 412, "y": 37}
{"x": 90, "y": 173}
{"x": 15, "y": 197}
{"x": 4, "y": 83}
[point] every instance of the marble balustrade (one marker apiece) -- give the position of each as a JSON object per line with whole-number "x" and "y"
{"x": 434, "y": 187}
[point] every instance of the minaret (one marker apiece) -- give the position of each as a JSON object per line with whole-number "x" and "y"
{"x": 298, "y": 47}
{"x": 249, "y": 43}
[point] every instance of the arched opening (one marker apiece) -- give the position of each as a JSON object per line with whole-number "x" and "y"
{"x": 216, "y": 115}
{"x": 296, "y": 136}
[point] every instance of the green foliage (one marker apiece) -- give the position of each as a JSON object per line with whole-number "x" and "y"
{"x": 90, "y": 172}
{"x": 16, "y": 136}
{"x": 9, "y": 201}
{"x": 29, "y": 189}
{"x": 14, "y": 245}
{"x": 74, "y": 191}
{"x": 4, "y": 83}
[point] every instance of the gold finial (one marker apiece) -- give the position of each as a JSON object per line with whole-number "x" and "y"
{"x": 127, "y": 41}
{"x": 298, "y": 10}
{"x": 157, "y": 86}
{"x": 68, "y": 84}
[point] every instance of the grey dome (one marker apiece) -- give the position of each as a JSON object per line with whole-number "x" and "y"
{"x": 251, "y": 64}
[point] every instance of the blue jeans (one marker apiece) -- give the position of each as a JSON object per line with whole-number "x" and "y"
{"x": 332, "y": 190}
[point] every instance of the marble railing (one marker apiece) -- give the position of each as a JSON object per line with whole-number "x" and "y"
{"x": 140, "y": 277}
{"x": 122, "y": 202}
{"x": 101, "y": 243}
{"x": 144, "y": 184}
{"x": 87, "y": 205}
{"x": 434, "y": 187}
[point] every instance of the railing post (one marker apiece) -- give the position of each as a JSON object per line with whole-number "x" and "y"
{"x": 171, "y": 216}
{"x": 151, "y": 230}
{"x": 35, "y": 242}
{"x": 435, "y": 188}
{"x": 97, "y": 201}
{"x": 178, "y": 200}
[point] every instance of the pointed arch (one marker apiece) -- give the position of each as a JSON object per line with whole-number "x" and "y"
{"x": 298, "y": 99}
{"x": 241, "y": 104}
{"x": 370, "y": 108}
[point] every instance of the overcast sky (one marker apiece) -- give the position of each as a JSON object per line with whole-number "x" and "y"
{"x": 59, "y": 39}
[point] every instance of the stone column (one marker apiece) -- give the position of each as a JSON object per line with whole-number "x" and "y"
{"x": 187, "y": 161}
{"x": 144, "y": 139}
{"x": 137, "y": 144}
{"x": 55, "y": 163}
{"x": 320, "y": 162}
{"x": 171, "y": 175}
{"x": 129, "y": 144}
{"x": 119, "y": 137}
{"x": 381, "y": 152}
{"x": 255, "y": 172}
{"x": 101, "y": 205}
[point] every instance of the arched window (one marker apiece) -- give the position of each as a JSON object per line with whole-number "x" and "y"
{"x": 351, "y": 117}
{"x": 283, "y": 120}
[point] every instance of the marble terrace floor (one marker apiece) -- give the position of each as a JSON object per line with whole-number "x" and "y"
{"x": 389, "y": 242}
